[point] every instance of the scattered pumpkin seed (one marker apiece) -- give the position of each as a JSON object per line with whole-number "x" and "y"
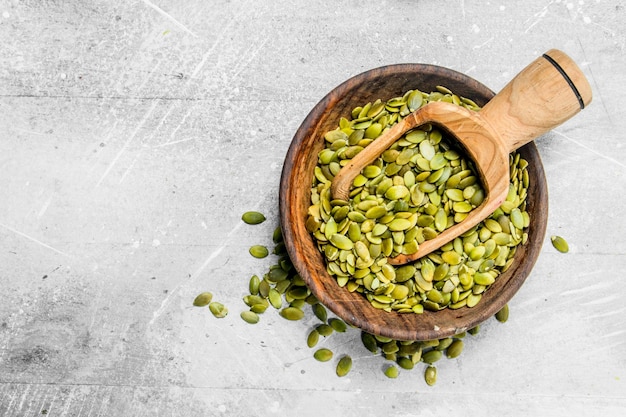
{"x": 560, "y": 244}
{"x": 344, "y": 366}
{"x": 253, "y": 217}
{"x": 338, "y": 325}
{"x": 203, "y": 299}
{"x": 218, "y": 309}
{"x": 250, "y": 317}
{"x": 455, "y": 349}
{"x": 430, "y": 375}
{"x": 312, "y": 338}
{"x": 292, "y": 313}
{"x": 503, "y": 315}
{"x": 253, "y": 285}
{"x": 391, "y": 372}
{"x": 324, "y": 330}
{"x": 320, "y": 312}
{"x": 431, "y": 356}
{"x": 323, "y": 354}
{"x": 474, "y": 330}
{"x": 259, "y": 251}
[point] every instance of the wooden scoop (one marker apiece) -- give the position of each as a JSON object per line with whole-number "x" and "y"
{"x": 542, "y": 96}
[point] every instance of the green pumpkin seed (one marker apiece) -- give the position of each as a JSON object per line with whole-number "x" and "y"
{"x": 324, "y": 330}
{"x": 259, "y": 308}
{"x": 253, "y": 217}
{"x": 338, "y": 325}
{"x": 397, "y": 192}
{"x": 462, "y": 207}
{"x": 259, "y": 251}
{"x": 399, "y": 225}
{"x": 559, "y": 244}
{"x": 292, "y": 313}
{"x": 250, "y": 317}
{"x": 323, "y": 354}
{"x": 264, "y": 288}
{"x": 203, "y": 299}
{"x": 455, "y": 349}
{"x": 312, "y": 338}
{"x": 275, "y": 298}
{"x": 344, "y": 366}
{"x": 405, "y": 363}
{"x": 431, "y": 356}
{"x": 484, "y": 278}
{"x": 415, "y": 100}
{"x": 320, "y": 312}
{"x": 218, "y": 309}
{"x": 277, "y": 274}
{"x": 430, "y": 375}
{"x": 391, "y": 372}
{"x": 341, "y": 241}
{"x": 277, "y": 236}
{"x": 251, "y": 300}
{"x": 427, "y": 150}
{"x": 253, "y": 285}
{"x": 503, "y": 315}
{"x": 369, "y": 341}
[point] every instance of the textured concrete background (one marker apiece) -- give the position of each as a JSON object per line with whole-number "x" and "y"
{"x": 133, "y": 134}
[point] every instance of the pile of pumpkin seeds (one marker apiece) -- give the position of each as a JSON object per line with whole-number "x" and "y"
{"x": 415, "y": 190}
{"x": 282, "y": 288}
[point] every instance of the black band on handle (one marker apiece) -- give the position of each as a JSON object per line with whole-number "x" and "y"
{"x": 567, "y": 78}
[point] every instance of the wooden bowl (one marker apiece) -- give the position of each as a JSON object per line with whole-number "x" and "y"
{"x": 297, "y": 176}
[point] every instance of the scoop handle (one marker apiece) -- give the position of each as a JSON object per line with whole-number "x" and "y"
{"x": 549, "y": 91}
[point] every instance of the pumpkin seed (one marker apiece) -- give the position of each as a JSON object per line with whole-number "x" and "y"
{"x": 344, "y": 365}
{"x": 250, "y": 317}
{"x": 503, "y": 315}
{"x": 275, "y": 298}
{"x": 312, "y": 338}
{"x": 320, "y": 312}
{"x": 323, "y": 354}
{"x": 431, "y": 356}
{"x": 203, "y": 299}
{"x": 430, "y": 375}
{"x": 218, "y": 309}
{"x": 324, "y": 330}
{"x": 455, "y": 349}
{"x": 259, "y": 251}
{"x": 253, "y": 217}
{"x": 338, "y": 325}
{"x": 251, "y": 300}
{"x": 559, "y": 244}
{"x": 253, "y": 285}
{"x": 391, "y": 372}
{"x": 405, "y": 363}
{"x": 292, "y": 313}
{"x": 369, "y": 341}
{"x": 259, "y": 308}
{"x": 341, "y": 241}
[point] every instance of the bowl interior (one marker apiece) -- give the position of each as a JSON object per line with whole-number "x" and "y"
{"x": 385, "y": 83}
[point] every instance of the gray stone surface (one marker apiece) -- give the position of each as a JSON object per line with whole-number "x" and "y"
{"x": 134, "y": 134}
